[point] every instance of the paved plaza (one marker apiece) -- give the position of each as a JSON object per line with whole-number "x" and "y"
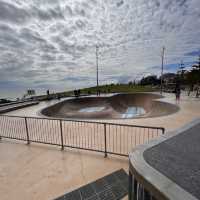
{"x": 44, "y": 172}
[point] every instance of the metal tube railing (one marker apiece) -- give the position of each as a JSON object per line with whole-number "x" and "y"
{"x": 28, "y": 141}
{"x": 61, "y": 136}
{"x": 105, "y": 142}
{"x": 108, "y": 138}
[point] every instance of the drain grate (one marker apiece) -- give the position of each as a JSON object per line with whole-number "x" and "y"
{"x": 111, "y": 187}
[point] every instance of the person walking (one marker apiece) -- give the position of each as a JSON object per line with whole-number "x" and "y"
{"x": 178, "y": 92}
{"x": 197, "y": 93}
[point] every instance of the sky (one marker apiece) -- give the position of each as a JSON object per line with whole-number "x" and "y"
{"x": 51, "y": 44}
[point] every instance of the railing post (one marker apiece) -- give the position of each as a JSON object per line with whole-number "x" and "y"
{"x": 130, "y": 189}
{"x": 61, "y": 135}
{"x": 105, "y": 142}
{"x": 27, "y": 134}
{"x": 147, "y": 194}
{"x": 135, "y": 191}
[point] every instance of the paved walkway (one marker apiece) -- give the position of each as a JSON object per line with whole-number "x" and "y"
{"x": 189, "y": 110}
{"x": 43, "y": 172}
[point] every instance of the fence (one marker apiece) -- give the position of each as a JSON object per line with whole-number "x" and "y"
{"x": 110, "y": 138}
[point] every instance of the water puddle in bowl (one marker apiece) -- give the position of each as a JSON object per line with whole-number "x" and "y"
{"x": 92, "y": 109}
{"x": 133, "y": 112}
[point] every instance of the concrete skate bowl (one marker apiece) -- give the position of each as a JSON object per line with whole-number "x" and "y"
{"x": 120, "y": 106}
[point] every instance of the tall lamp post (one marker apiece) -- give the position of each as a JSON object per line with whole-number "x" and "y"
{"x": 182, "y": 69}
{"x": 97, "y": 68}
{"x": 161, "y": 77}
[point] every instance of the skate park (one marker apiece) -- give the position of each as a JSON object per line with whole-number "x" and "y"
{"x": 117, "y": 106}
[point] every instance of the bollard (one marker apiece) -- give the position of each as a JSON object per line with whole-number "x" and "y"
{"x": 27, "y": 134}
{"x": 61, "y": 136}
{"x": 130, "y": 188}
{"x": 105, "y": 142}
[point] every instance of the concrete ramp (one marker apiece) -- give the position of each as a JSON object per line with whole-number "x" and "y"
{"x": 119, "y": 106}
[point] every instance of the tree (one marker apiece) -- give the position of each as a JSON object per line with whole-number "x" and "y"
{"x": 149, "y": 80}
{"x": 193, "y": 76}
{"x": 196, "y": 71}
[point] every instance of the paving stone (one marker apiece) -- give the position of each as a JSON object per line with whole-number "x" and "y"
{"x": 75, "y": 195}
{"x": 87, "y": 191}
{"x": 100, "y": 185}
{"x": 95, "y": 197}
{"x": 121, "y": 175}
{"x": 107, "y": 195}
{"x": 111, "y": 179}
{"x": 111, "y": 187}
{"x": 118, "y": 191}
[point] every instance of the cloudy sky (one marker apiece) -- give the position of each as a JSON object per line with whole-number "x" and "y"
{"x": 50, "y": 44}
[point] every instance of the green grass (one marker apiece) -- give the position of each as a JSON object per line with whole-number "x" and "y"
{"x": 118, "y": 88}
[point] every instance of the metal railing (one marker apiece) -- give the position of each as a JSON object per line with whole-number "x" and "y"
{"x": 108, "y": 138}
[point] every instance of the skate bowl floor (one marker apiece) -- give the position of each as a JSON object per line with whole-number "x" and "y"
{"x": 119, "y": 106}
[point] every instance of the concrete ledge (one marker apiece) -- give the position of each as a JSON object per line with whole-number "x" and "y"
{"x": 155, "y": 182}
{"x": 16, "y": 106}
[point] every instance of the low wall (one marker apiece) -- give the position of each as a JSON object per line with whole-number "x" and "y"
{"x": 5, "y": 109}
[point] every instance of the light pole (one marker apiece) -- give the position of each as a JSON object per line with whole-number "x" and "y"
{"x": 97, "y": 68}
{"x": 182, "y": 72}
{"x": 161, "y": 77}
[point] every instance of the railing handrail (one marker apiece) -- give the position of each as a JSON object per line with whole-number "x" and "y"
{"x": 86, "y": 121}
{"x": 108, "y": 143}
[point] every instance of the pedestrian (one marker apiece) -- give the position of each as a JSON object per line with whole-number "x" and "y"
{"x": 198, "y": 89}
{"x": 178, "y": 92}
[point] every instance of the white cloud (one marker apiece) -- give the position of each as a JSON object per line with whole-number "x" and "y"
{"x": 53, "y": 42}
